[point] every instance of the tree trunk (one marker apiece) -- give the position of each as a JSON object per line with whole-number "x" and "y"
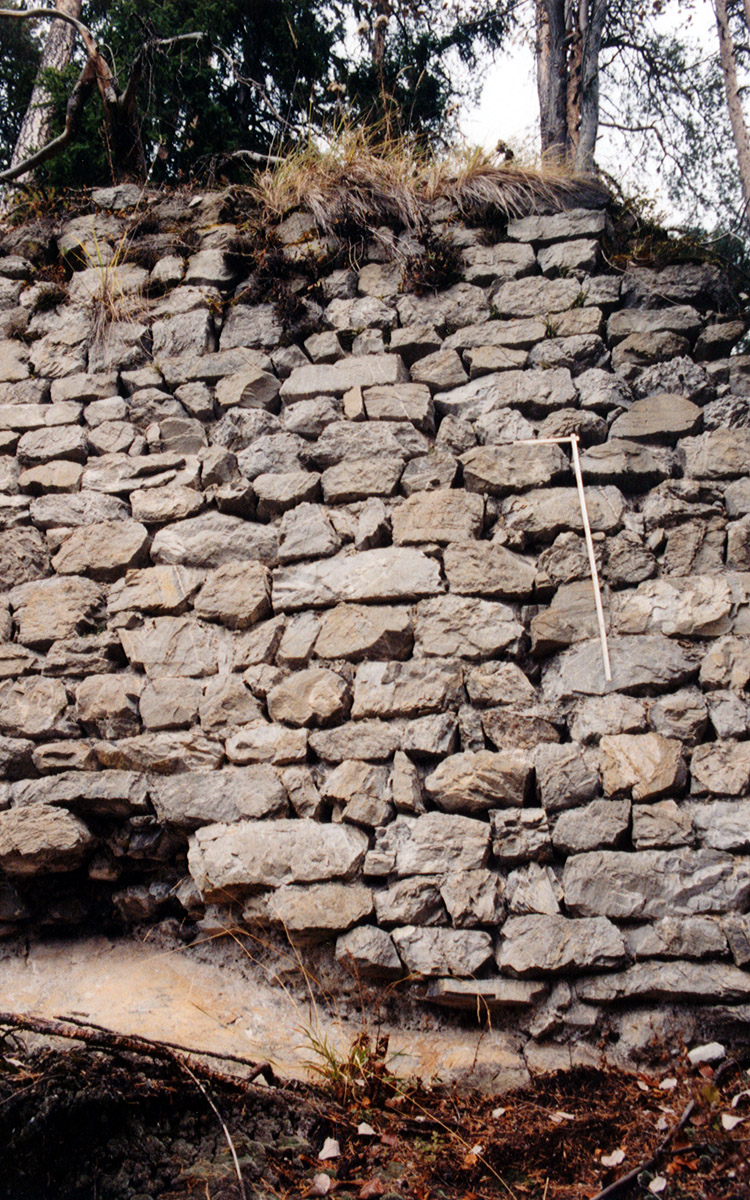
{"x": 35, "y": 129}
{"x": 552, "y": 78}
{"x": 588, "y": 97}
{"x": 728, "y": 60}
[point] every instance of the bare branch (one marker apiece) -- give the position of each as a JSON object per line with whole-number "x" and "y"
{"x": 78, "y": 97}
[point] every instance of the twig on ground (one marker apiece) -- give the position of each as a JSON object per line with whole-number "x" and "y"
{"x": 614, "y": 1189}
{"x": 222, "y": 1122}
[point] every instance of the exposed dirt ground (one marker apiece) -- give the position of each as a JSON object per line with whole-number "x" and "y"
{"x": 80, "y": 1123}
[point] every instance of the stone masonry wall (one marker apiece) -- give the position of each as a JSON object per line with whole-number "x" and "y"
{"x": 292, "y": 627}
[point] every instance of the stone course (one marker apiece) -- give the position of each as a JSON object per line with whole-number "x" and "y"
{"x": 291, "y": 622}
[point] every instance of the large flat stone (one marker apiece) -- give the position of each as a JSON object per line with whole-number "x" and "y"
{"x": 42, "y": 839}
{"x": 231, "y": 860}
{"x": 637, "y": 662}
{"x": 545, "y": 513}
{"x": 465, "y": 627}
{"x": 676, "y": 982}
{"x": 47, "y": 609}
{"x": 406, "y": 689}
{"x": 442, "y": 516}
{"x": 423, "y": 845}
{"x": 390, "y": 574}
{"x": 502, "y": 470}
{"x": 540, "y": 945}
{"x": 646, "y": 765}
{"x": 693, "y": 606}
{"x": 212, "y": 539}
{"x": 650, "y": 884}
{"x": 442, "y": 951}
{"x": 475, "y": 782}
{"x": 305, "y": 383}
{"x": 208, "y": 797}
{"x": 488, "y": 569}
{"x": 176, "y": 646}
{"x": 358, "y": 631}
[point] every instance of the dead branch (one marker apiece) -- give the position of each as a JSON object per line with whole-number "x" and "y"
{"x": 107, "y": 1039}
{"x": 76, "y": 102}
{"x": 614, "y": 1189}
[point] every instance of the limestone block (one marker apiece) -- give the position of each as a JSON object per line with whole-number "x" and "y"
{"x": 481, "y": 994}
{"x": 163, "y": 753}
{"x": 507, "y": 729}
{"x": 533, "y": 297}
{"x": 176, "y": 646}
{"x": 108, "y": 704}
{"x": 718, "y": 454}
{"x": 628, "y": 463}
{"x": 313, "y": 697}
{"x": 169, "y": 703}
{"x": 344, "y": 440}
{"x": 251, "y": 388}
{"x": 726, "y": 664}
{"x": 100, "y": 793}
{"x": 368, "y": 740}
{"x": 445, "y": 311}
{"x": 473, "y": 898}
{"x": 601, "y": 825}
{"x": 212, "y": 539}
{"x": 370, "y": 370}
{"x": 580, "y": 254}
{"x": 654, "y": 661}
{"x": 487, "y": 264}
{"x": 401, "y": 401}
{"x": 163, "y": 591}
{"x": 428, "y": 472}
{"x": 370, "y": 952}
{"x": 499, "y": 683}
{"x": 651, "y": 884}
{"x": 540, "y": 944}
{"x": 721, "y": 769}
{"x": 697, "y": 606}
{"x": 34, "y": 707}
{"x": 442, "y": 951}
{"x": 520, "y": 835}
{"x": 571, "y": 617}
{"x": 103, "y": 550}
{"x": 575, "y": 223}
{"x": 411, "y": 901}
{"x": 660, "y": 418}
{"x": 441, "y": 516}
{"x": 673, "y": 981}
{"x": 440, "y": 370}
{"x": 672, "y": 937}
{"x": 536, "y": 393}
{"x": 69, "y": 443}
{"x": 206, "y": 797}
{"x": 723, "y": 825}
{"x": 475, "y": 782}
{"x": 251, "y": 325}
{"x": 41, "y": 839}
{"x": 737, "y": 929}
{"x": 230, "y": 860}
{"x": 225, "y": 703}
{"x": 488, "y": 569}
{"x": 393, "y": 573}
{"x": 661, "y": 825}
{"x": 423, "y": 845}
{"x": 405, "y": 689}
{"x": 235, "y": 594}
{"x": 500, "y": 471}
{"x": 465, "y": 627}
{"x": 319, "y": 909}
{"x": 356, "y": 631}
{"x": 533, "y": 889}
{"x": 547, "y": 512}
{"x": 260, "y": 741}
{"x": 430, "y": 736}
{"x": 646, "y": 765}
{"x": 358, "y": 478}
{"x": 306, "y": 532}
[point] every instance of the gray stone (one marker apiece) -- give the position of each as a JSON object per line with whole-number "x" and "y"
{"x": 533, "y": 296}
{"x": 484, "y": 360}
{"x": 480, "y": 995}
{"x": 296, "y": 645}
{"x": 498, "y": 683}
{"x": 661, "y": 825}
{"x": 535, "y": 393}
{"x": 212, "y": 539}
{"x": 414, "y": 341}
{"x": 226, "y": 702}
{"x": 693, "y": 607}
{"x": 98, "y": 793}
{"x": 473, "y": 898}
{"x": 405, "y": 689}
{"x": 120, "y": 474}
{"x": 235, "y": 594}
{"x": 312, "y": 697}
{"x": 691, "y": 937}
{"x": 540, "y": 944}
{"x": 579, "y": 353}
{"x": 369, "y": 952}
{"x": 488, "y": 570}
{"x": 375, "y": 740}
{"x": 475, "y": 782}
{"x": 42, "y": 839}
{"x": 343, "y": 440}
{"x": 442, "y": 951}
{"x": 567, "y": 257}
{"x": 176, "y": 646}
{"x": 683, "y": 715}
{"x": 358, "y": 631}
{"x": 520, "y": 835}
{"x": 628, "y": 463}
{"x": 441, "y": 516}
{"x": 445, "y": 311}
{"x": 430, "y": 736}
{"x": 68, "y": 442}
{"x": 358, "y": 478}
{"x": 423, "y": 845}
{"x": 737, "y": 929}
{"x": 575, "y": 223}
{"x": 162, "y": 591}
{"x": 507, "y": 729}
{"x": 306, "y": 532}
{"x": 571, "y": 617}
{"x": 723, "y": 825}
{"x": 412, "y": 901}
{"x": 533, "y": 889}
{"x": 651, "y": 884}
{"x": 673, "y": 981}
{"x": 439, "y": 371}
{"x": 174, "y": 502}
{"x": 230, "y": 860}
{"x": 401, "y": 402}
{"x": 305, "y": 383}
{"x": 429, "y": 472}
{"x": 352, "y": 317}
{"x": 628, "y": 560}
{"x": 169, "y": 703}
{"x": 545, "y": 513}
{"x": 465, "y": 627}
{"x": 661, "y": 418}
{"x": 676, "y": 319}
{"x": 718, "y": 454}
{"x": 655, "y": 662}
{"x": 35, "y": 707}
{"x": 487, "y": 264}
{"x": 498, "y": 471}
{"x": 601, "y": 825}
{"x": 726, "y": 664}
{"x": 374, "y": 575}
{"x": 646, "y": 765}
{"x": 721, "y": 768}
{"x": 108, "y": 704}
{"x": 320, "y": 909}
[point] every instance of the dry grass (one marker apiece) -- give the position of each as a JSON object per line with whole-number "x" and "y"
{"x": 356, "y": 179}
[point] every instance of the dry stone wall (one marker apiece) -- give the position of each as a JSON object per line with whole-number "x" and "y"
{"x": 297, "y": 627}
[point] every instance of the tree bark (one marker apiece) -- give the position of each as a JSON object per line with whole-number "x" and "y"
{"x": 728, "y": 60}
{"x": 552, "y": 78}
{"x": 35, "y": 129}
{"x": 588, "y": 101}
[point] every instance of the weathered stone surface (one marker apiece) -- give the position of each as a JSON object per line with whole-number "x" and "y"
{"x": 261, "y": 741}
{"x": 661, "y": 418}
{"x": 628, "y": 463}
{"x": 446, "y": 311}
{"x": 465, "y": 627}
{"x": 441, "y": 516}
{"x": 23, "y": 557}
{"x": 305, "y": 383}
{"x": 230, "y": 860}
{"x": 422, "y": 845}
{"x": 100, "y": 793}
{"x": 401, "y": 402}
{"x": 571, "y": 617}
{"x": 601, "y": 825}
{"x": 175, "y": 646}
{"x": 235, "y": 594}
{"x": 42, "y": 445}
{"x": 718, "y": 454}
{"x": 655, "y": 662}
{"x": 442, "y": 951}
{"x": 481, "y": 994}
{"x": 354, "y": 632}
{"x": 473, "y": 898}
{"x": 575, "y": 223}
{"x": 721, "y": 768}
{"x": 691, "y": 937}
{"x": 307, "y": 532}
{"x": 539, "y": 944}
{"x": 534, "y": 297}
{"x": 576, "y": 354}
{"x": 373, "y": 740}
{"x": 370, "y": 951}
{"x": 680, "y": 318}
{"x": 661, "y": 825}
{"x": 545, "y": 513}
{"x": 535, "y": 393}
{"x": 441, "y": 370}
{"x": 108, "y": 704}
{"x": 34, "y": 708}
{"x": 163, "y": 753}
{"x": 374, "y": 575}
{"x": 507, "y": 729}
{"x": 169, "y": 702}
{"x": 205, "y": 798}
{"x": 498, "y": 683}
{"x": 723, "y": 825}
{"x": 480, "y": 781}
{"x": 651, "y": 884}
{"x": 40, "y": 838}
{"x": 412, "y": 901}
{"x": 488, "y": 569}
{"x": 166, "y": 590}
{"x": 726, "y": 664}
{"x": 320, "y": 909}
{"x": 579, "y": 255}
{"x": 429, "y": 472}
{"x": 533, "y": 889}
{"x": 645, "y": 764}
{"x": 674, "y": 981}
{"x": 358, "y": 478}
{"x": 405, "y": 689}
{"x": 520, "y": 835}
{"x": 103, "y": 550}
{"x": 497, "y": 471}
{"x": 737, "y": 930}
{"x": 312, "y": 697}
{"x": 698, "y": 605}
{"x": 212, "y": 539}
